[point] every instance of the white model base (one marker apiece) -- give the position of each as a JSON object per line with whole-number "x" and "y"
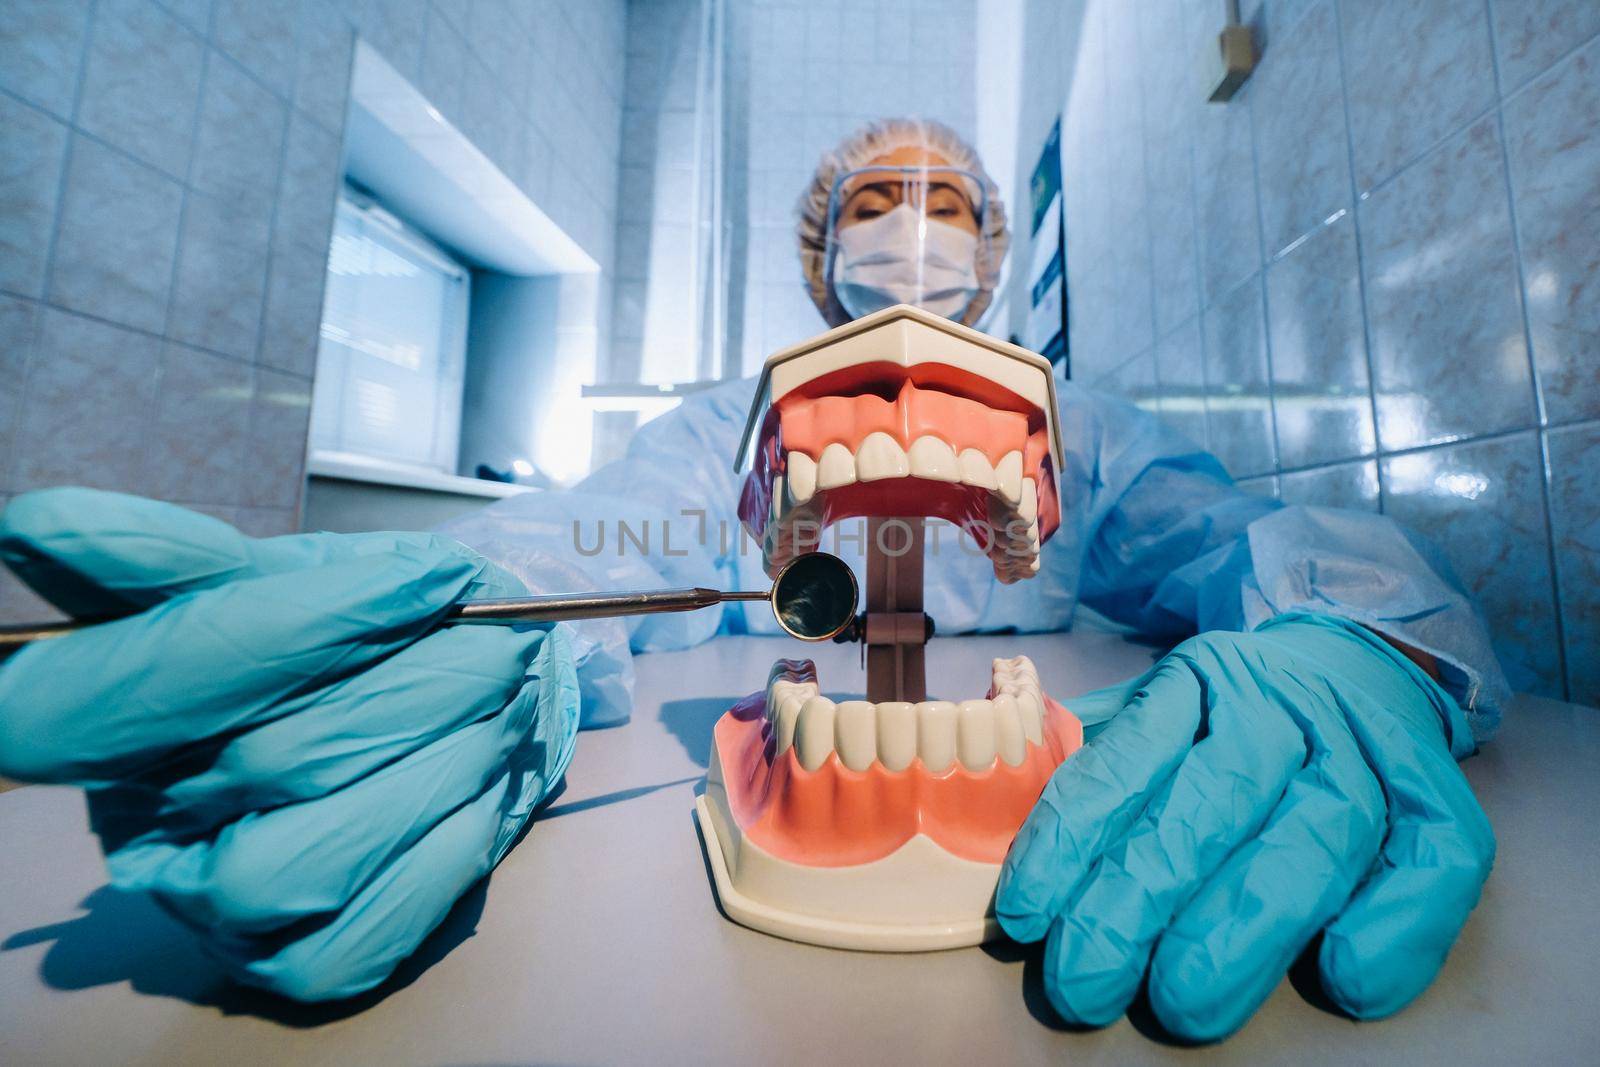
{"x": 955, "y": 905}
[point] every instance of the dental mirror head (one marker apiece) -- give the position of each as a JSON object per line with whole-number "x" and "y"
{"x": 814, "y": 596}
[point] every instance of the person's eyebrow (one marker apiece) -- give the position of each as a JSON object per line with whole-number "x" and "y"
{"x": 883, "y": 188}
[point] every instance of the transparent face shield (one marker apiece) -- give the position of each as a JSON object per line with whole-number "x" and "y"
{"x": 906, "y": 235}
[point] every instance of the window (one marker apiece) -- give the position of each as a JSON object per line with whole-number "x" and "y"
{"x": 391, "y": 360}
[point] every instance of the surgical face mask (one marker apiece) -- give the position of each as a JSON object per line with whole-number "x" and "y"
{"x": 901, "y": 257}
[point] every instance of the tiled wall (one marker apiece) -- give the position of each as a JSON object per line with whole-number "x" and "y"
{"x": 1372, "y": 280}
{"x": 799, "y": 76}
{"x": 662, "y": 212}
{"x": 804, "y": 76}
{"x": 167, "y": 178}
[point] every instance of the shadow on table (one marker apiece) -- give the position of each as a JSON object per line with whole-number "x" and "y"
{"x": 616, "y": 797}
{"x": 691, "y": 722}
{"x": 126, "y": 937}
{"x": 1302, "y": 975}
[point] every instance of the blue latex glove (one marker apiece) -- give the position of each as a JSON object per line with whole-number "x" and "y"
{"x": 282, "y": 746}
{"x": 1252, "y": 790}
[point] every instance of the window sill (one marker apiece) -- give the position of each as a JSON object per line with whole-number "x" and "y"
{"x": 351, "y": 467}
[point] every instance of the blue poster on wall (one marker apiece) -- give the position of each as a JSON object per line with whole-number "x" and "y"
{"x": 1046, "y": 330}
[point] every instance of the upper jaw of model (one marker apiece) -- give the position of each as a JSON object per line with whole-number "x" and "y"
{"x": 904, "y": 414}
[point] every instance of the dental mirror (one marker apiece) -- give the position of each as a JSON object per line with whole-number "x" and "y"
{"x": 813, "y": 598}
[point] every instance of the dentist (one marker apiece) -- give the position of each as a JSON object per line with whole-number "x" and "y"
{"x": 288, "y": 752}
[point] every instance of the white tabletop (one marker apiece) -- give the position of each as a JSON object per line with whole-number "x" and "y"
{"x": 597, "y": 940}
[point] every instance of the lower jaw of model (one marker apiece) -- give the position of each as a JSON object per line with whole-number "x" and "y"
{"x": 876, "y": 826}
{"x": 883, "y": 826}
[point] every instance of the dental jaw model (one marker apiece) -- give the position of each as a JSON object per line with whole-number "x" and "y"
{"x": 881, "y": 823}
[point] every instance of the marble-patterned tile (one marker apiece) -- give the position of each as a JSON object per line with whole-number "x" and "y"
{"x": 33, "y": 149}
{"x": 1180, "y": 379}
{"x": 445, "y": 59}
{"x": 1135, "y": 382}
{"x": 1481, "y": 502}
{"x": 240, "y": 139}
{"x": 1341, "y": 485}
{"x": 1229, "y": 227}
{"x": 41, "y": 50}
{"x": 1553, "y": 143}
{"x": 1575, "y": 526}
{"x": 309, "y": 188}
{"x": 274, "y": 469}
{"x": 117, "y": 238}
{"x": 195, "y": 14}
{"x": 1529, "y": 35}
{"x": 88, "y": 406}
{"x": 493, "y": 30}
{"x": 261, "y": 37}
{"x": 141, "y": 83}
{"x": 1449, "y": 357}
{"x": 1320, "y": 385}
{"x": 293, "y": 313}
{"x": 395, "y": 29}
{"x": 1174, "y": 268}
{"x": 1302, "y": 153}
{"x": 1169, "y": 164}
{"x": 1238, "y": 386}
{"x": 1091, "y": 332}
{"x": 19, "y": 324}
{"x": 491, "y": 123}
{"x": 322, "y": 69}
{"x": 221, "y": 278}
{"x": 198, "y": 441}
{"x": 1414, "y": 70}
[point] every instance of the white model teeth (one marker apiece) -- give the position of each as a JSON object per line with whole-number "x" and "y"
{"x": 1017, "y": 678}
{"x": 1009, "y": 473}
{"x": 897, "y": 734}
{"x": 813, "y": 734}
{"x": 802, "y": 477}
{"x": 1013, "y": 548}
{"x": 940, "y": 733}
{"x": 1009, "y": 739}
{"x": 880, "y": 456}
{"x": 836, "y": 467}
{"x": 855, "y": 734}
{"x": 934, "y": 460}
{"x": 936, "y": 734}
{"x": 975, "y": 733}
{"x": 784, "y": 700}
{"x": 977, "y": 470}
{"x": 1014, "y": 529}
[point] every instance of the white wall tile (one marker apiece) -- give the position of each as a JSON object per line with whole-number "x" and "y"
{"x": 117, "y": 237}
{"x": 261, "y": 36}
{"x": 141, "y": 84}
{"x": 88, "y": 407}
{"x": 221, "y": 277}
{"x": 240, "y": 139}
{"x": 41, "y": 50}
{"x": 33, "y": 149}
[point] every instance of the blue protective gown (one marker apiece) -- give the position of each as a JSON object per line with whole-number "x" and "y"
{"x": 1154, "y": 536}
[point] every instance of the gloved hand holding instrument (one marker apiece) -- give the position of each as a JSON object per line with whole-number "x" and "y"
{"x": 280, "y": 743}
{"x": 283, "y": 748}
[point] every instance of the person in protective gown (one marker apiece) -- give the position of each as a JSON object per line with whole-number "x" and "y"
{"x": 283, "y": 746}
